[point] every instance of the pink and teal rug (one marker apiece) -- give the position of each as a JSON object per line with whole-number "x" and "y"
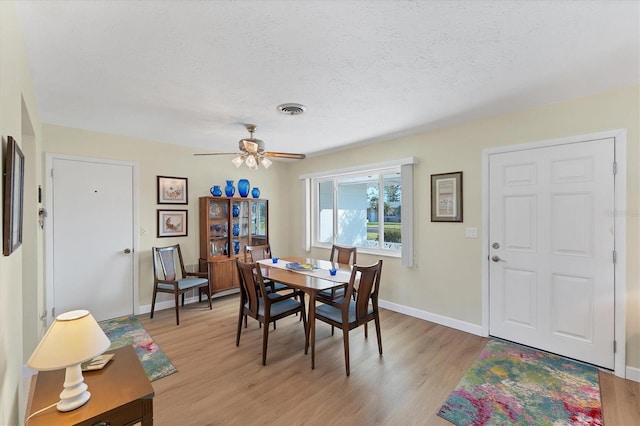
{"x": 127, "y": 330}
{"x": 511, "y": 384}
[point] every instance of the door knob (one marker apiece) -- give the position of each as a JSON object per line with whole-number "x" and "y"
{"x": 127, "y": 251}
{"x": 496, "y": 258}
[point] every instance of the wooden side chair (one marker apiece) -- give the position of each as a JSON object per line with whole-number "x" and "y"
{"x": 261, "y": 252}
{"x": 347, "y": 314}
{"x": 166, "y": 279}
{"x": 339, "y": 254}
{"x": 265, "y": 307}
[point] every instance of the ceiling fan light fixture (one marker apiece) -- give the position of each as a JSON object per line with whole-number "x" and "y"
{"x": 237, "y": 161}
{"x": 266, "y": 162}
{"x": 251, "y": 162}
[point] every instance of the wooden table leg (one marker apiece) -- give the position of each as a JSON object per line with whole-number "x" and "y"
{"x": 312, "y": 327}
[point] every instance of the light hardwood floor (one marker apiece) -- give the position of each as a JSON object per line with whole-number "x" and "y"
{"x": 220, "y": 384}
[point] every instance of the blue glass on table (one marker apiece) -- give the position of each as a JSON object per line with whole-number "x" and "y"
{"x": 274, "y": 260}
{"x": 333, "y": 271}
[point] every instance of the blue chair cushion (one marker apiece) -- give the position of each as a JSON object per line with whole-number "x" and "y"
{"x": 339, "y": 292}
{"x": 335, "y": 314}
{"x": 185, "y": 283}
{"x": 278, "y": 307}
{"x": 279, "y": 286}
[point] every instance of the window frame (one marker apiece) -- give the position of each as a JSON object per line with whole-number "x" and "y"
{"x": 312, "y": 211}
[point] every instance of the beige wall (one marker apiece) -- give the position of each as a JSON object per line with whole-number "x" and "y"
{"x": 447, "y": 278}
{"x": 160, "y": 159}
{"x": 21, "y": 273}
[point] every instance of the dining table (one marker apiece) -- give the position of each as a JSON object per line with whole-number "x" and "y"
{"x": 313, "y": 279}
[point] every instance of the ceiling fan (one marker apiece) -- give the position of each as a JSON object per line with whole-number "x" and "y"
{"x": 252, "y": 152}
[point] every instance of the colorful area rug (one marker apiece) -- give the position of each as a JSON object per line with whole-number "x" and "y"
{"x": 127, "y": 330}
{"x": 512, "y": 384}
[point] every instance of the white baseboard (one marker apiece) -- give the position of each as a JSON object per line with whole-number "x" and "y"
{"x": 633, "y": 373}
{"x": 435, "y": 318}
{"x": 169, "y": 304}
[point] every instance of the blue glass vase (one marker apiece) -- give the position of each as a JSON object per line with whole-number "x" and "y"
{"x": 243, "y": 187}
{"x": 255, "y": 192}
{"x": 215, "y": 191}
{"x": 236, "y": 247}
{"x": 235, "y": 210}
{"x": 229, "y": 190}
{"x": 236, "y": 229}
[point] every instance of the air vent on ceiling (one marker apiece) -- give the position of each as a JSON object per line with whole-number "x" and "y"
{"x": 292, "y": 109}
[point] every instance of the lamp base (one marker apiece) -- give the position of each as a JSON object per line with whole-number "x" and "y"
{"x": 75, "y": 392}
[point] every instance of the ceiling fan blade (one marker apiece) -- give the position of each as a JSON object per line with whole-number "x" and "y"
{"x": 220, "y": 153}
{"x": 285, "y": 155}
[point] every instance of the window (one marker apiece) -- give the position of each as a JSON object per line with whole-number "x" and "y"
{"x": 365, "y": 208}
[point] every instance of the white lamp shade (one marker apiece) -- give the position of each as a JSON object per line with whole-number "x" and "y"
{"x": 73, "y": 338}
{"x": 266, "y": 162}
{"x": 237, "y": 161}
{"x": 251, "y": 162}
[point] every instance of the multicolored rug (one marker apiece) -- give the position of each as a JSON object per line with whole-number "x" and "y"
{"x": 515, "y": 385}
{"x": 127, "y": 330}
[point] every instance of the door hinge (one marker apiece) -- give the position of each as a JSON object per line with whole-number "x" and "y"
{"x": 615, "y": 167}
{"x": 615, "y": 346}
{"x": 51, "y": 173}
{"x": 53, "y": 312}
{"x": 615, "y": 257}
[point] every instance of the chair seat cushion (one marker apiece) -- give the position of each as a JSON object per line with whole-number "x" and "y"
{"x": 277, "y": 308}
{"x": 338, "y": 292}
{"x": 185, "y": 283}
{"x": 335, "y": 314}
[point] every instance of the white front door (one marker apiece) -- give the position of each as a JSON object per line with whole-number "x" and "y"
{"x": 91, "y": 251}
{"x": 551, "y": 273}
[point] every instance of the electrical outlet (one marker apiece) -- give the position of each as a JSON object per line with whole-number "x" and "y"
{"x": 471, "y": 232}
{"x": 143, "y": 231}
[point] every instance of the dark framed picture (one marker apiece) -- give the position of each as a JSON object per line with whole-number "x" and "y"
{"x": 172, "y": 223}
{"x": 172, "y": 190}
{"x": 446, "y": 197}
{"x": 13, "y": 197}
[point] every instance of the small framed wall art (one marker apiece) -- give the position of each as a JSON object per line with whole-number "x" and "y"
{"x": 172, "y": 190}
{"x": 172, "y": 223}
{"x": 446, "y": 197}
{"x": 13, "y": 197}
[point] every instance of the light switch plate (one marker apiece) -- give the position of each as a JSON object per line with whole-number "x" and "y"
{"x": 471, "y": 232}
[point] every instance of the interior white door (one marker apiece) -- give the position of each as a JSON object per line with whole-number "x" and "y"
{"x": 92, "y": 231}
{"x": 551, "y": 274}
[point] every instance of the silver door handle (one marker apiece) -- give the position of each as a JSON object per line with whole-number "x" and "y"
{"x": 496, "y": 258}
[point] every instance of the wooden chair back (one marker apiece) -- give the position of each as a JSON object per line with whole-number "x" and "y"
{"x": 255, "y": 253}
{"x": 251, "y": 287}
{"x": 167, "y": 257}
{"x": 343, "y": 254}
{"x": 368, "y": 286}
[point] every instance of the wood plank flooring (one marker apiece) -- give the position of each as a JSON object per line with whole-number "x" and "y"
{"x": 220, "y": 384}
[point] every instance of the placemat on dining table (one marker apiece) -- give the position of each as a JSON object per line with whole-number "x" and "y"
{"x": 340, "y": 276}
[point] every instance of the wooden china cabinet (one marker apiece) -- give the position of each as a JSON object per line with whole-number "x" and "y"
{"x": 227, "y": 226}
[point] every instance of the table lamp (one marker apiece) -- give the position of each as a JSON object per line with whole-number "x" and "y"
{"x": 73, "y": 338}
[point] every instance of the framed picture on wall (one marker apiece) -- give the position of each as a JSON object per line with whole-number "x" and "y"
{"x": 172, "y": 190}
{"x": 13, "y": 198}
{"x": 446, "y": 197}
{"x": 172, "y": 223}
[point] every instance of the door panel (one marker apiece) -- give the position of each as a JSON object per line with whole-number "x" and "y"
{"x": 551, "y": 276}
{"x": 92, "y": 225}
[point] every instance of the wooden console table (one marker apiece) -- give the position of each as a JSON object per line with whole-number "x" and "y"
{"x": 121, "y": 394}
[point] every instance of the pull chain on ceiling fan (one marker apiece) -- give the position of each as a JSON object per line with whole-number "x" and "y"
{"x": 252, "y": 152}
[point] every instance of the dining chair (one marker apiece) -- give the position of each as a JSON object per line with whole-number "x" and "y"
{"x": 166, "y": 279}
{"x": 261, "y": 252}
{"x": 339, "y": 254}
{"x": 347, "y": 314}
{"x": 257, "y": 303}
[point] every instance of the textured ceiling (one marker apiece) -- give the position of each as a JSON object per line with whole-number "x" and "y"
{"x": 192, "y": 72}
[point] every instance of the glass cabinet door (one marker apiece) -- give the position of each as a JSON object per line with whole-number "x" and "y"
{"x": 259, "y": 224}
{"x": 218, "y": 228}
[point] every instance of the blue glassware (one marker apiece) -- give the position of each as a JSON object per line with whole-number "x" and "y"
{"x": 236, "y": 210}
{"x": 236, "y": 230}
{"x": 229, "y": 190}
{"x": 255, "y": 192}
{"x": 236, "y": 247}
{"x": 243, "y": 187}
{"x": 216, "y": 191}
